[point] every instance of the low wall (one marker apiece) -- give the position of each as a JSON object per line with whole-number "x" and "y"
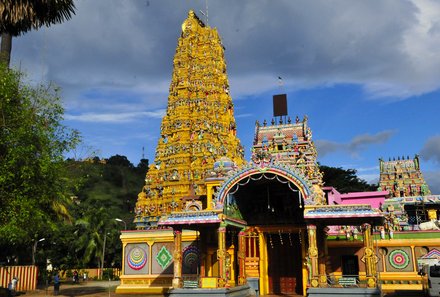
{"x": 91, "y": 272}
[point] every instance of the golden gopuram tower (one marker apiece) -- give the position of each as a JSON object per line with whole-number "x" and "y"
{"x": 198, "y": 128}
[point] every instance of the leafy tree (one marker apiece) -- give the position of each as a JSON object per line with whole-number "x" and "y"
{"x": 32, "y": 143}
{"x": 103, "y": 190}
{"x": 344, "y": 180}
{"x": 19, "y": 16}
{"x": 119, "y": 160}
{"x": 142, "y": 167}
{"x": 92, "y": 232}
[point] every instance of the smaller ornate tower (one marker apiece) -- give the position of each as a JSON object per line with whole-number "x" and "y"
{"x": 289, "y": 144}
{"x": 402, "y": 177}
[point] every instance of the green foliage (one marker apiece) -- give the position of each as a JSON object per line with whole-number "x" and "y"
{"x": 120, "y": 161}
{"x": 33, "y": 196}
{"x": 102, "y": 191}
{"x": 344, "y": 180}
{"x": 107, "y": 274}
{"x": 142, "y": 167}
{"x": 21, "y": 16}
{"x": 17, "y": 17}
{"x": 72, "y": 204}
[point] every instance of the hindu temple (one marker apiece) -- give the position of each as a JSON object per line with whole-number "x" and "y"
{"x": 210, "y": 223}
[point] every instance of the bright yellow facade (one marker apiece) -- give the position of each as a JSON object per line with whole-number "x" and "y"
{"x": 198, "y": 128}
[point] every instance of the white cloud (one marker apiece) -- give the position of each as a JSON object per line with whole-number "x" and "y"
{"x": 357, "y": 144}
{"x": 115, "y": 117}
{"x": 372, "y": 178}
{"x": 431, "y": 149}
{"x": 114, "y": 60}
{"x": 388, "y": 47}
{"x": 243, "y": 115}
{"x": 366, "y": 169}
{"x": 433, "y": 180}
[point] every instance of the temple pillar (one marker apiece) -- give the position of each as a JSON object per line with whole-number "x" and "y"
{"x": 263, "y": 264}
{"x": 209, "y": 264}
{"x": 241, "y": 255}
{"x": 323, "y": 255}
{"x": 370, "y": 258}
{"x": 313, "y": 256}
{"x": 177, "y": 256}
{"x": 203, "y": 252}
{"x": 209, "y": 193}
{"x": 221, "y": 256}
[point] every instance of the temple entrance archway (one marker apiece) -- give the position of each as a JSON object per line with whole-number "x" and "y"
{"x": 272, "y": 205}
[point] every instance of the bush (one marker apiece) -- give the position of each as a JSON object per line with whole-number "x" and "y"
{"x": 107, "y": 274}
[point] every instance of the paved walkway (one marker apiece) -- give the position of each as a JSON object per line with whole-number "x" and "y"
{"x": 88, "y": 288}
{"x": 107, "y": 289}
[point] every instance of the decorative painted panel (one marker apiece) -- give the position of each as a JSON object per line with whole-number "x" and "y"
{"x": 190, "y": 259}
{"x": 136, "y": 259}
{"x": 399, "y": 260}
{"x": 162, "y": 258}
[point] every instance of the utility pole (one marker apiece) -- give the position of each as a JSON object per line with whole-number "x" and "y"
{"x": 34, "y": 249}
{"x": 103, "y": 254}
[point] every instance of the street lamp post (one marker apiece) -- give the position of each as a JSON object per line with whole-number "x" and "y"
{"x": 34, "y": 249}
{"x": 103, "y": 254}
{"x": 122, "y": 221}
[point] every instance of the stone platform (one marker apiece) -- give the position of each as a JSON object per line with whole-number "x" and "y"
{"x": 332, "y": 292}
{"x": 240, "y": 291}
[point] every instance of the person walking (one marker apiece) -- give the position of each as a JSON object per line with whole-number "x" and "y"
{"x": 12, "y": 286}
{"x": 75, "y": 277}
{"x": 56, "y": 284}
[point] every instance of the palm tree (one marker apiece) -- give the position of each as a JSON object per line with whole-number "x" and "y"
{"x": 92, "y": 230}
{"x": 19, "y": 16}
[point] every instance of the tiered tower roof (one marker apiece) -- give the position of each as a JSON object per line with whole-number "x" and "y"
{"x": 402, "y": 177}
{"x": 290, "y": 144}
{"x": 198, "y": 129}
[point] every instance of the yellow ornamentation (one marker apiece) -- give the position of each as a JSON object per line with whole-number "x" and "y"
{"x": 371, "y": 283}
{"x": 368, "y": 252}
{"x": 313, "y": 252}
{"x": 199, "y": 125}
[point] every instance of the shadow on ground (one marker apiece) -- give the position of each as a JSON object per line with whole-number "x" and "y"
{"x": 403, "y": 294}
{"x": 80, "y": 291}
{"x": 89, "y": 289}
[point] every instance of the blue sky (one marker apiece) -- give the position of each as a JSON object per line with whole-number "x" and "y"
{"x": 366, "y": 73}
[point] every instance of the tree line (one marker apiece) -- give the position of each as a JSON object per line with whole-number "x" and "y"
{"x": 52, "y": 207}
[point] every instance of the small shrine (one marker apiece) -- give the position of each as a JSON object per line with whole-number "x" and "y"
{"x": 402, "y": 177}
